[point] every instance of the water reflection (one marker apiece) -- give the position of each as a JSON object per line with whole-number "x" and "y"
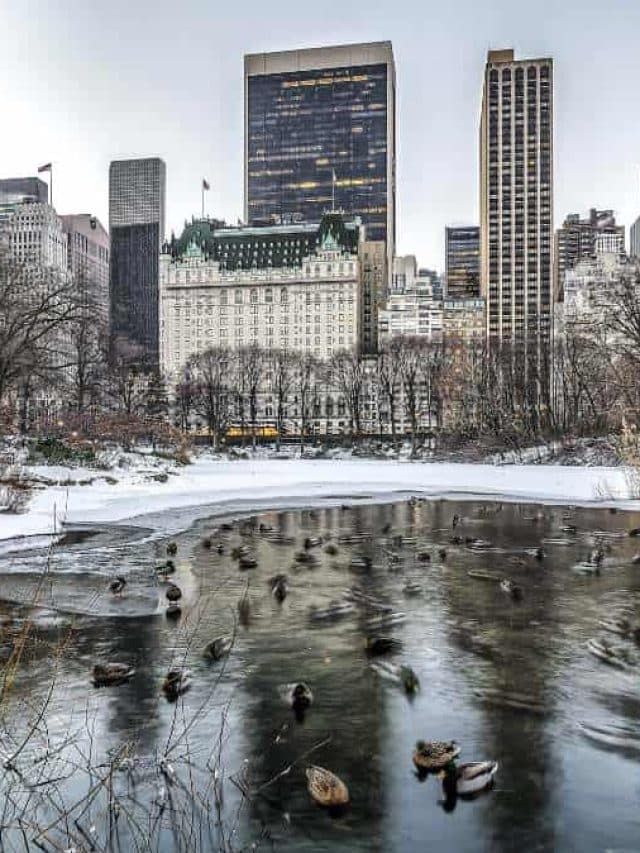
{"x": 509, "y": 680}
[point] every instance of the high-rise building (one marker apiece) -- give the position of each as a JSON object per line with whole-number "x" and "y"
{"x": 462, "y": 260}
{"x": 373, "y": 287}
{"x": 579, "y": 239}
{"x": 320, "y": 135}
{"x": 88, "y": 260}
{"x": 136, "y": 226}
{"x": 634, "y": 239}
{"x": 516, "y": 201}
{"x": 15, "y": 191}
{"x": 35, "y": 237}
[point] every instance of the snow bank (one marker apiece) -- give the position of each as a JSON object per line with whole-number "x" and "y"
{"x": 217, "y": 482}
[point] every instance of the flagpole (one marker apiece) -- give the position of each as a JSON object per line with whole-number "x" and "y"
{"x": 202, "y": 187}
{"x": 51, "y": 185}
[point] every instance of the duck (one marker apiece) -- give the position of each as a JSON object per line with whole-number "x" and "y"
{"x": 312, "y": 542}
{"x": 433, "y": 755}
{"x": 207, "y": 543}
{"x": 173, "y": 610}
{"x": 412, "y": 589}
{"x": 220, "y": 548}
{"x": 299, "y": 696}
{"x": 401, "y": 674}
{"x": 105, "y": 674}
{"x": 247, "y": 561}
{"x": 176, "y": 682}
{"x": 173, "y": 593}
{"x": 424, "y": 556}
{"x": 467, "y": 779}
{"x": 510, "y": 588}
{"x": 442, "y": 553}
{"x": 304, "y": 557}
{"x": 619, "y": 626}
{"x": 165, "y": 569}
{"x": 326, "y": 788}
{"x": 118, "y": 584}
{"x": 381, "y": 645}
{"x": 172, "y": 549}
{"x": 279, "y": 587}
{"x": 218, "y": 648}
{"x": 331, "y": 548}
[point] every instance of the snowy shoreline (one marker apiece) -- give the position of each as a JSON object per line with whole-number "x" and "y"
{"x": 213, "y": 483}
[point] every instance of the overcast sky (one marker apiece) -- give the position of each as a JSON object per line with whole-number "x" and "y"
{"x": 83, "y": 83}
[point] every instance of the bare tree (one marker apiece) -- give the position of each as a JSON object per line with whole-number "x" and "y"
{"x": 304, "y": 385}
{"x": 212, "y": 390}
{"x": 282, "y": 379}
{"x": 388, "y": 383}
{"x": 36, "y": 306}
{"x": 347, "y": 372}
{"x": 254, "y": 362}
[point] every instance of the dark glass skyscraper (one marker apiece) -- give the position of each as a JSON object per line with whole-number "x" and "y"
{"x": 462, "y": 258}
{"x": 320, "y": 134}
{"x": 136, "y": 224}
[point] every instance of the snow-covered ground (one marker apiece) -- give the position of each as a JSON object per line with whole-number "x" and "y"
{"x": 209, "y": 481}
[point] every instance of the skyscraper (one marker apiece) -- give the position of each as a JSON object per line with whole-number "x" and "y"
{"x": 579, "y": 238}
{"x": 634, "y": 239}
{"x": 516, "y": 200}
{"x": 320, "y": 134}
{"x": 136, "y": 225}
{"x": 88, "y": 261}
{"x": 462, "y": 261}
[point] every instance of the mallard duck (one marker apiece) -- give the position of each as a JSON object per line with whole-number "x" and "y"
{"x": 172, "y": 549}
{"x": 176, "y": 682}
{"x": 434, "y": 755}
{"x": 635, "y": 531}
{"x": 468, "y": 779}
{"x": 512, "y": 589}
{"x": 173, "y": 611}
{"x": 218, "y": 648}
{"x": 279, "y": 587}
{"x": 312, "y": 542}
{"x": 326, "y": 788}
{"x": 299, "y": 696}
{"x": 165, "y": 569}
{"x": 409, "y": 680}
{"x": 424, "y": 556}
{"x": 207, "y": 543}
{"x": 247, "y": 561}
{"x": 381, "y": 645}
{"x": 220, "y": 548}
{"x": 442, "y": 553}
{"x": 105, "y": 674}
{"x": 117, "y": 585}
{"x": 412, "y": 588}
{"x": 331, "y": 548}
{"x": 304, "y": 557}
{"x": 173, "y": 593}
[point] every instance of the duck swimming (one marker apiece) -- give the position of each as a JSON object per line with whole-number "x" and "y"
{"x": 326, "y": 788}
{"x": 117, "y": 585}
{"x": 218, "y": 648}
{"x": 106, "y": 674}
{"x": 433, "y": 755}
{"x": 176, "y": 682}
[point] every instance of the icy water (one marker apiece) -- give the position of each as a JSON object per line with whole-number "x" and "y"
{"x": 510, "y": 680}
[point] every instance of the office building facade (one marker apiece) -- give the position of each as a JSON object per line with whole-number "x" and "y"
{"x": 320, "y": 135}
{"x": 580, "y": 239}
{"x": 88, "y": 248}
{"x": 313, "y": 307}
{"x": 516, "y": 202}
{"x": 634, "y": 239}
{"x": 136, "y": 226}
{"x": 462, "y": 262}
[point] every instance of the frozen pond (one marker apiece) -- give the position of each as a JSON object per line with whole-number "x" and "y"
{"x": 508, "y": 679}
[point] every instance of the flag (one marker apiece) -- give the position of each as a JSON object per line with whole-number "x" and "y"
{"x": 205, "y": 184}
{"x": 45, "y": 168}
